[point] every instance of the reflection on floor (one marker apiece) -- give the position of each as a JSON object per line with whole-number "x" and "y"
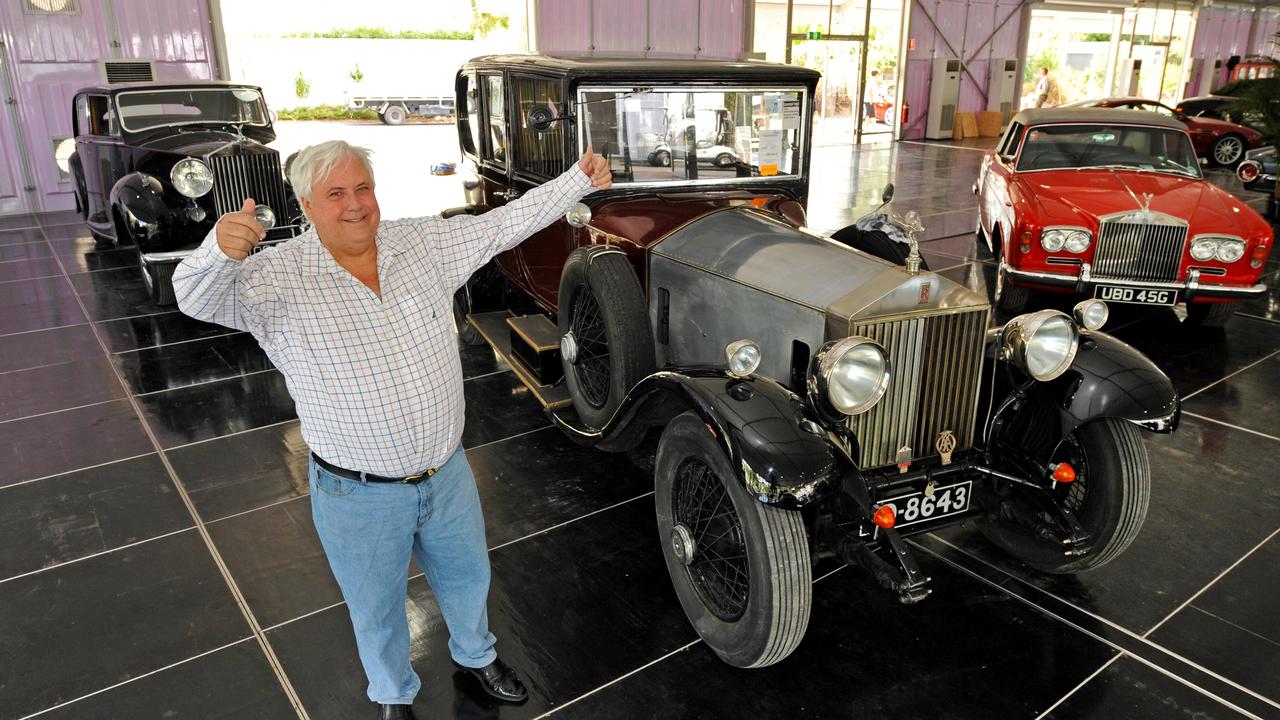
{"x": 160, "y": 558}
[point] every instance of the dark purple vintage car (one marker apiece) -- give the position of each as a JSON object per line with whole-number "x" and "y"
{"x": 156, "y": 164}
{"x": 816, "y": 397}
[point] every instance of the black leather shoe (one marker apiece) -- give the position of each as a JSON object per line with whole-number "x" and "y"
{"x": 395, "y": 712}
{"x": 499, "y": 681}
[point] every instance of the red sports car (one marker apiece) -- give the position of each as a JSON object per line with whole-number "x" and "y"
{"x": 1222, "y": 142}
{"x": 1112, "y": 204}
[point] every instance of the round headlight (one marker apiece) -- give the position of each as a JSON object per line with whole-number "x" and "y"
{"x": 1249, "y": 170}
{"x": 852, "y": 374}
{"x": 191, "y": 177}
{"x": 1092, "y": 314}
{"x": 1204, "y": 248}
{"x": 1052, "y": 240}
{"x": 1077, "y": 241}
{"x": 1230, "y": 250}
{"x": 1042, "y": 343}
{"x": 266, "y": 216}
{"x": 743, "y": 357}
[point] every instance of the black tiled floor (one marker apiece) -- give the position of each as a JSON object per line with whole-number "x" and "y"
{"x": 581, "y": 599}
{"x": 64, "y": 441}
{"x": 234, "y": 682}
{"x": 76, "y": 628}
{"x": 71, "y": 516}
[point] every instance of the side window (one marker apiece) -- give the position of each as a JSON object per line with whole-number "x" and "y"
{"x": 1011, "y": 140}
{"x": 496, "y": 107}
{"x": 92, "y": 115}
{"x": 471, "y": 132}
{"x": 1157, "y": 109}
{"x": 539, "y": 153}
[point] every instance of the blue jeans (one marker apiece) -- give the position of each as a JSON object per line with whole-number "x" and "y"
{"x": 368, "y": 531}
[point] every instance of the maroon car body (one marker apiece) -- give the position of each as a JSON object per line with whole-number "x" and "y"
{"x": 1221, "y": 141}
{"x": 1142, "y": 218}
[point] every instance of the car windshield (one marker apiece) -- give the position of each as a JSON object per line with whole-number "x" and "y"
{"x": 145, "y": 109}
{"x": 682, "y": 135}
{"x": 1122, "y": 147}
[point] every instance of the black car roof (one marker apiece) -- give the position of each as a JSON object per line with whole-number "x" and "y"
{"x": 164, "y": 85}
{"x": 630, "y": 67}
{"x": 1044, "y": 116}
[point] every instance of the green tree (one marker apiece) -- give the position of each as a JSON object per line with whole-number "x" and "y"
{"x": 483, "y": 23}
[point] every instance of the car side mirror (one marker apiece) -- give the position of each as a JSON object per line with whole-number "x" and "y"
{"x": 541, "y": 118}
{"x": 887, "y": 195}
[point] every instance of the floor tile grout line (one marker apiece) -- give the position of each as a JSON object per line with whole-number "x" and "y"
{"x": 268, "y": 506}
{"x": 1241, "y": 628}
{"x": 1251, "y": 316}
{"x": 943, "y": 145}
{"x": 1083, "y": 682}
{"x": 1141, "y": 639}
{"x": 74, "y": 470}
{"x": 100, "y": 553}
{"x": 37, "y": 277}
{"x": 1109, "y": 643}
{"x": 649, "y": 664}
{"x": 242, "y": 603}
{"x": 229, "y": 333}
{"x": 53, "y": 364}
{"x": 87, "y": 321}
{"x": 205, "y": 382}
{"x": 1224, "y": 379}
{"x": 1211, "y": 583}
{"x": 570, "y": 522}
{"x": 231, "y": 434}
{"x": 509, "y": 437}
{"x": 136, "y": 678}
{"x": 62, "y": 410}
{"x": 618, "y": 679}
{"x": 308, "y": 614}
{"x": 1229, "y": 425}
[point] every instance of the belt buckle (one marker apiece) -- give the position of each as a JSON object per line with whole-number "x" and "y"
{"x": 413, "y": 479}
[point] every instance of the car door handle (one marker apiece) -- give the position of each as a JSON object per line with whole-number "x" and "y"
{"x": 507, "y": 195}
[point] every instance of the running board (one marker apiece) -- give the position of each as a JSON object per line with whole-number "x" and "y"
{"x": 495, "y": 329}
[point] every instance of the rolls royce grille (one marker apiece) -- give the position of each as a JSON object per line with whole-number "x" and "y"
{"x": 1137, "y": 251}
{"x": 936, "y": 372}
{"x": 240, "y": 176}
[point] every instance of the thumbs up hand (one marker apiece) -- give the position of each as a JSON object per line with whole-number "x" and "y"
{"x": 239, "y": 232}
{"x": 596, "y": 168}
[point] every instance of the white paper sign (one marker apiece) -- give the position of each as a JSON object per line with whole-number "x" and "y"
{"x": 791, "y": 114}
{"x": 770, "y": 151}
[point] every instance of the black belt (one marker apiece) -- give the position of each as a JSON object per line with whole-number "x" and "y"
{"x": 370, "y": 477}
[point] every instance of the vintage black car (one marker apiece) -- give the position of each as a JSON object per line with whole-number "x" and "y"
{"x": 156, "y": 164}
{"x": 814, "y": 400}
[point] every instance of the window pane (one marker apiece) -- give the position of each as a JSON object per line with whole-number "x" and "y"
{"x": 497, "y": 107}
{"x": 472, "y": 100}
{"x": 144, "y": 109}
{"x": 678, "y": 135}
{"x": 540, "y": 153}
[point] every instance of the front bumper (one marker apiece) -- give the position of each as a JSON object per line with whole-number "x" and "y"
{"x": 1083, "y": 283}
{"x": 175, "y": 257}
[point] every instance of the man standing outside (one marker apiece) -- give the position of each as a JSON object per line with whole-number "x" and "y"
{"x": 1045, "y": 87}
{"x": 357, "y": 315}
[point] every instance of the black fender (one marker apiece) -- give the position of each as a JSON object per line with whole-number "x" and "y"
{"x": 139, "y": 198}
{"x": 780, "y": 454}
{"x": 1107, "y": 379}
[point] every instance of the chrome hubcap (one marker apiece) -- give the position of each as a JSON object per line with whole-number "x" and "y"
{"x": 682, "y": 544}
{"x": 569, "y": 348}
{"x": 1228, "y": 150}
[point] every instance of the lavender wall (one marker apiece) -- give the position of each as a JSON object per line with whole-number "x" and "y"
{"x": 653, "y": 28}
{"x": 966, "y": 26}
{"x": 1225, "y": 31}
{"x": 52, "y": 56}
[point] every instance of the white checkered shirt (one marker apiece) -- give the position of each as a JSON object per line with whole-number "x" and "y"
{"x": 377, "y": 382}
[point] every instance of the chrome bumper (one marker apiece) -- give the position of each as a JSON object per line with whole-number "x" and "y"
{"x": 1084, "y": 283}
{"x": 174, "y": 257}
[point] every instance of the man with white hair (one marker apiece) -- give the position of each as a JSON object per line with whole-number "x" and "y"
{"x": 357, "y": 315}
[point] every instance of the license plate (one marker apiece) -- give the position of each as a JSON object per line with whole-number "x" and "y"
{"x": 916, "y": 507}
{"x": 1138, "y": 296}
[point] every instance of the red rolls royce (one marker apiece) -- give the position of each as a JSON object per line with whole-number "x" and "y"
{"x": 1112, "y": 204}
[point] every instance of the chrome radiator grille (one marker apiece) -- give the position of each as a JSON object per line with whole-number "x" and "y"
{"x": 1139, "y": 251}
{"x": 937, "y": 365}
{"x": 240, "y": 176}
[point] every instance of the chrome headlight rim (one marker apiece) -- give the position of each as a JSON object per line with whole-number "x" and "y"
{"x": 1210, "y": 246}
{"x": 1091, "y": 314}
{"x": 823, "y": 365}
{"x": 191, "y": 177}
{"x": 1022, "y": 333}
{"x": 1078, "y": 241}
{"x": 742, "y": 357}
{"x": 265, "y": 216}
{"x": 1052, "y": 239}
{"x": 1071, "y": 238}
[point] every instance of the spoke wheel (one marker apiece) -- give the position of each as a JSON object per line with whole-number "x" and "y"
{"x": 591, "y": 365}
{"x": 1228, "y": 150}
{"x": 740, "y": 568}
{"x": 718, "y": 561}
